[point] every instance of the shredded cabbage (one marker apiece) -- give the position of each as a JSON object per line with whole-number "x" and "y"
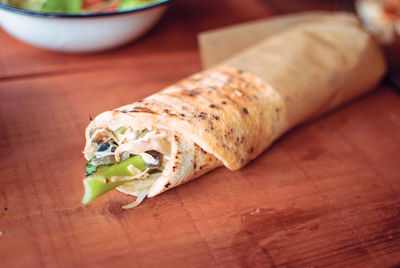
{"x": 141, "y": 196}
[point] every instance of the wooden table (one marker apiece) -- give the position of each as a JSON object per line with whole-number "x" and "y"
{"x": 326, "y": 194}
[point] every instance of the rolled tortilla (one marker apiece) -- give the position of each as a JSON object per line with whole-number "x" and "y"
{"x": 229, "y": 114}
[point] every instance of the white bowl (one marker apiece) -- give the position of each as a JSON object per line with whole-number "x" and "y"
{"x": 82, "y": 32}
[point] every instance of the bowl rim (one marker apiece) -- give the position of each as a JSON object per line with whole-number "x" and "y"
{"x": 88, "y": 15}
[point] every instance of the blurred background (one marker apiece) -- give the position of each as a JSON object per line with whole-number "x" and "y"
{"x": 280, "y": 7}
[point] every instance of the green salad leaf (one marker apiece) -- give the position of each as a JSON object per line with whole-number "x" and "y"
{"x": 132, "y": 4}
{"x": 24, "y": 4}
{"x": 62, "y": 6}
{"x": 92, "y": 167}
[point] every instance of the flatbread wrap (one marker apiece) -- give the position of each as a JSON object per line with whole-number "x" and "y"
{"x": 230, "y": 113}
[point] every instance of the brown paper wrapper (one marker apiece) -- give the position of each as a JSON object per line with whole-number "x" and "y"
{"x": 221, "y": 44}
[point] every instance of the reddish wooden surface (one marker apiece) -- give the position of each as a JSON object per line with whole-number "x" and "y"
{"x": 326, "y": 194}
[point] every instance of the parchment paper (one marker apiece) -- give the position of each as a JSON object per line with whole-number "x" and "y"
{"x": 220, "y": 44}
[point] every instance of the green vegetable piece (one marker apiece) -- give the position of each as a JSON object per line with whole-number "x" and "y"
{"x": 34, "y": 5}
{"x": 62, "y": 6}
{"x": 132, "y": 4}
{"x": 100, "y": 183}
{"x": 91, "y": 166}
{"x": 89, "y": 169}
{"x": 119, "y": 131}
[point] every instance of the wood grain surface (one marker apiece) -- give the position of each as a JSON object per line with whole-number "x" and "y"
{"x": 325, "y": 195}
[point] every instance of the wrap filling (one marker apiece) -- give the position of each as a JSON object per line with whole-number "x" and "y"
{"x": 126, "y": 158}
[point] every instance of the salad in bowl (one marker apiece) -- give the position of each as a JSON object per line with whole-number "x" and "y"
{"x": 79, "y": 6}
{"x": 79, "y": 25}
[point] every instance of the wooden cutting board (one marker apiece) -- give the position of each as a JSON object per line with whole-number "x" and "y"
{"x": 325, "y": 194}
